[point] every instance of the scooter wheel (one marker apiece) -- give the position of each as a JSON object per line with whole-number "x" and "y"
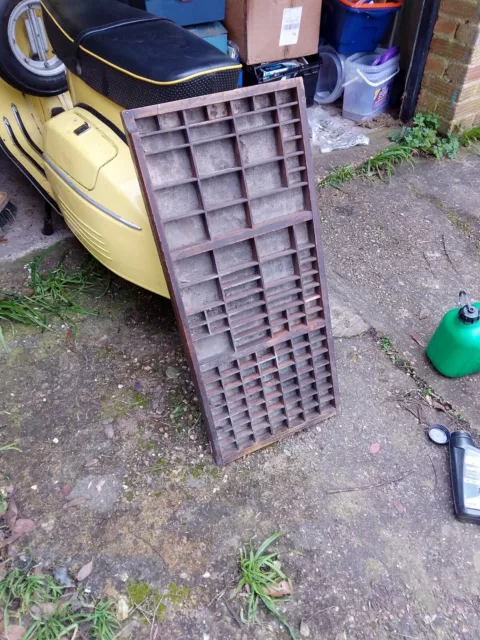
{"x": 26, "y": 59}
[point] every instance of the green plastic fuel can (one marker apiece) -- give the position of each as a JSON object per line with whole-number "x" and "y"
{"x": 454, "y": 349}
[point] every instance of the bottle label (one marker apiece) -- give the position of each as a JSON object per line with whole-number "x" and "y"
{"x": 471, "y": 479}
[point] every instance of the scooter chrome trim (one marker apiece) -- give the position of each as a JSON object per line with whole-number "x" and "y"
{"x": 13, "y": 138}
{"x": 61, "y": 174}
{"x": 23, "y": 129}
{"x": 30, "y": 178}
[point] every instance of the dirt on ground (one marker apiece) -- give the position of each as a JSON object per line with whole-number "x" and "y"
{"x": 115, "y": 466}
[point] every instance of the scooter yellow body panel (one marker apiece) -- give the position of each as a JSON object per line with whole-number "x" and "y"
{"x": 89, "y": 174}
{"x": 22, "y": 123}
{"x": 81, "y": 93}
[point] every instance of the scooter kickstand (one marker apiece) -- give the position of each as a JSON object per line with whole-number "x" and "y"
{"x": 48, "y": 229}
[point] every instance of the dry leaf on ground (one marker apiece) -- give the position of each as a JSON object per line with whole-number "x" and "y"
{"x": 24, "y": 526}
{"x": 11, "y": 514}
{"x": 122, "y": 609}
{"x": 108, "y": 431}
{"x": 7, "y": 541}
{"x": 15, "y": 632}
{"x": 70, "y": 339}
{"x": 280, "y": 590}
{"x": 85, "y": 571}
{"x": 399, "y": 506}
{"x": 74, "y": 503}
{"x": 418, "y": 340}
{"x": 48, "y": 608}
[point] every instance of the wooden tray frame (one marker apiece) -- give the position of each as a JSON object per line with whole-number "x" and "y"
{"x": 212, "y": 106}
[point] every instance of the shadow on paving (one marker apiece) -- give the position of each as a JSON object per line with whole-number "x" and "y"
{"x": 112, "y": 418}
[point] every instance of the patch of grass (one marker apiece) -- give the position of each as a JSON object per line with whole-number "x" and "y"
{"x": 20, "y": 591}
{"x": 3, "y": 501}
{"x": 10, "y": 446}
{"x": 177, "y": 417}
{"x": 384, "y": 163}
{"x": 2, "y": 341}
{"x": 339, "y": 176}
{"x": 62, "y": 286}
{"x": 387, "y": 347}
{"x": 53, "y": 293}
{"x": 159, "y": 466}
{"x": 385, "y": 343}
{"x": 469, "y": 136}
{"x": 103, "y": 621}
{"x": 139, "y": 399}
{"x": 58, "y": 625}
{"x": 201, "y": 469}
{"x": 426, "y": 391}
{"x": 38, "y": 603}
{"x": 260, "y": 573}
{"x": 422, "y": 138}
{"x": 454, "y": 218}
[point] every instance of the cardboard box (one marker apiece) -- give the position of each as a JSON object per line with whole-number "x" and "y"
{"x": 269, "y": 30}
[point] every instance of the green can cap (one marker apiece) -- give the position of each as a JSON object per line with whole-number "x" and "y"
{"x": 468, "y": 313}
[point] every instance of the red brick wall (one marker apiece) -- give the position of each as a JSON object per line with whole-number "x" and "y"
{"x": 451, "y": 82}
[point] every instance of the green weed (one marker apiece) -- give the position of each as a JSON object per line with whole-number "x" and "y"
{"x": 10, "y": 446}
{"x": 140, "y": 399}
{"x": 103, "y": 621}
{"x": 423, "y": 137}
{"x": 385, "y": 343}
{"x": 469, "y": 136}
{"x": 384, "y": 163}
{"x": 37, "y": 602}
{"x": 260, "y": 573}
{"x": 20, "y": 591}
{"x": 426, "y": 391}
{"x": 61, "y": 623}
{"x": 338, "y": 176}
{"x": 54, "y": 293}
{"x": 3, "y": 501}
{"x": 2, "y": 341}
{"x": 177, "y": 417}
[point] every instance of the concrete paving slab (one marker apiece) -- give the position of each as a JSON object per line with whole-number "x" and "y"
{"x": 24, "y": 236}
{"x": 400, "y": 256}
{"x": 371, "y": 542}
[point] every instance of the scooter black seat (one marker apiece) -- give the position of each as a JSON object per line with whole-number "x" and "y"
{"x": 133, "y": 57}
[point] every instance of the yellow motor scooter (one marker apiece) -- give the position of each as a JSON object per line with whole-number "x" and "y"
{"x": 67, "y": 70}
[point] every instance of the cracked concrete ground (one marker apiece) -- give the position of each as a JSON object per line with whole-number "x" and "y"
{"x": 112, "y": 418}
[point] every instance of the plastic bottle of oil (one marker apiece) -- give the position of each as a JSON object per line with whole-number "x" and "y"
{"x": 465, "y": 467}
{"x": 454, "y": 349}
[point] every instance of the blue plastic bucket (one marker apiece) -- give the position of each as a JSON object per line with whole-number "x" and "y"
{"x": 353, "y": 30}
